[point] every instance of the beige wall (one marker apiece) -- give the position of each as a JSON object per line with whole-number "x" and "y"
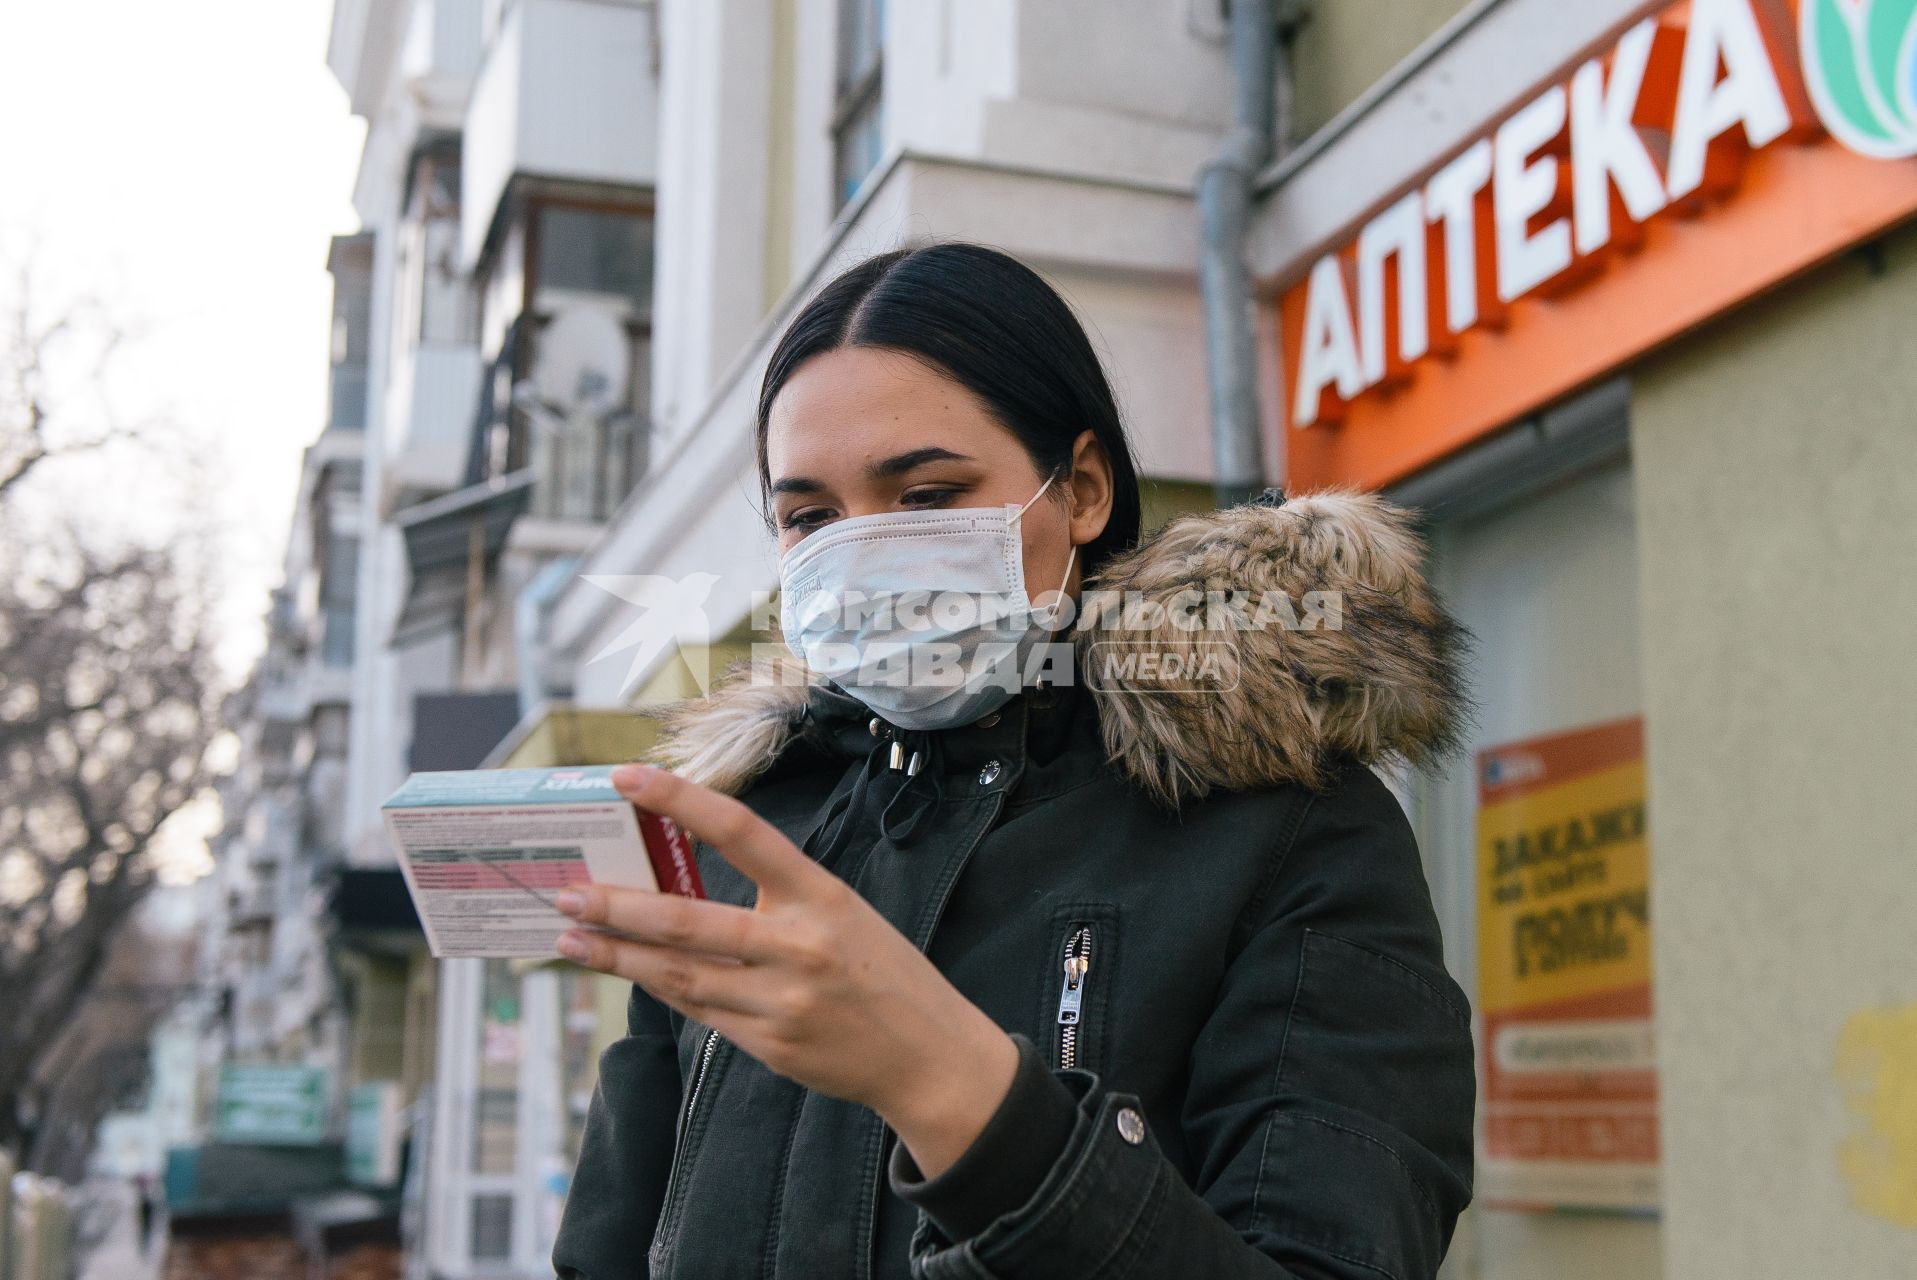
{"x": 1346, "y": 45}
{"x": 1776, "y": 474}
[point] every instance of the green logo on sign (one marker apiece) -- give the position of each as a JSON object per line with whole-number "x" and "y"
{"x": 1860, "y": 64}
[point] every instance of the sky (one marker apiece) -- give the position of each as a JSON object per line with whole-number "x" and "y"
{"x": 185, "y": 164}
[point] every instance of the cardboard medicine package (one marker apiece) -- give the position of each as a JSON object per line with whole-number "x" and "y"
{"x": 485, "y": 851}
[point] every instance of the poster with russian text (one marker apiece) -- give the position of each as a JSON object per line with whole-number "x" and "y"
{"x": 1567, "y": 1059}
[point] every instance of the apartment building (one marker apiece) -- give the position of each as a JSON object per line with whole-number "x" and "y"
{"x": 508, "y": 184}
{"x": 284, "y": 802}
{"x": 302, "y": 1001}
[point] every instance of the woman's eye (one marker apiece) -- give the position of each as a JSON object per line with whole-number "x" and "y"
{"x": 928, "y": 497}
{"x": 811, "y": 518}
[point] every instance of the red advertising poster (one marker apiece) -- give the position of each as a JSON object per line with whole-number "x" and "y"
{"x": 1567, "y": 1058}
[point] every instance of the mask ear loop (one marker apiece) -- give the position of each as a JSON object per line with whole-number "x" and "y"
{"x": 1071, "y": 555}
{"x": 1050, "y": 480}
{"x": 1059, "y": 601}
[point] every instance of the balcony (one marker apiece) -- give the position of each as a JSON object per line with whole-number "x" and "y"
{"x": 567, "y": 90}
{"x": 251, "y": 907}
{"x": 433, "y": 399}
{"x": 436, "y": 45}
{"x": 326, "y": 683}
{"x": 440, "y": 52}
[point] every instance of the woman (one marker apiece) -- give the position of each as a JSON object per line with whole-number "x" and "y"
{"x": 1088, "y": 972}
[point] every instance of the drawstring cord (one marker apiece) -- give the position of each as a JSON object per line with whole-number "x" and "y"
{"x": 919, "y": 751}
{"x": 916, "y": 754}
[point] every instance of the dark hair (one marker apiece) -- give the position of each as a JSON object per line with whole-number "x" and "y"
{"x": 991, "y": 323}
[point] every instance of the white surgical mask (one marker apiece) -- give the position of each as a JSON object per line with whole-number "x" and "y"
{"x": 921, "y": 615}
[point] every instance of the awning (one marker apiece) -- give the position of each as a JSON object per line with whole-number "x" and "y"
{"x": 373, "y": 900}
{"x": 441, "y": 537}
{"x": 225, "y": 1180}
{"x": 457, "y": 730}
{"x": 562, "y": 734}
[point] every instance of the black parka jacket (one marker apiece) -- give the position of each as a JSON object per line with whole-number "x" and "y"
{"x": 1261, "y": 1067}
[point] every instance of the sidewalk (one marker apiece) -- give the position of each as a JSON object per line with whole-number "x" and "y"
{"x": 109, "y": 1212}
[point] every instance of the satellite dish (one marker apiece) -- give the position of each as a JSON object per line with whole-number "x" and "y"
{"x": 582, "y": 366}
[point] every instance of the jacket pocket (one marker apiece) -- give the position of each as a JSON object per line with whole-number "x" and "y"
{"x": 685, "y": 1135}
{"x": 1080, "y": 980}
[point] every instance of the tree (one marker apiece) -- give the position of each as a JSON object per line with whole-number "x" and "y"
{"x": 108, "y": 704}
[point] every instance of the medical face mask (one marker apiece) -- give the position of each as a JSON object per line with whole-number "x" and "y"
{"x": 921, "y": 615}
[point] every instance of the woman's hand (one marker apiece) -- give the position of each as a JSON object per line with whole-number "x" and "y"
{"x": 810, "y": 980}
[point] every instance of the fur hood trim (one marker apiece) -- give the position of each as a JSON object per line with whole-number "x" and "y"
{"x": 1349, "y": 653}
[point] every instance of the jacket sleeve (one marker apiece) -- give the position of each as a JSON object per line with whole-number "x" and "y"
{"x": 1329, "y": 1113}
{"x": 625, "y": 1153}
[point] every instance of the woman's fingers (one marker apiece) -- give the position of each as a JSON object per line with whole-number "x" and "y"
{"x": 691, "y": 983}
{"x": 750, "y": 843}
{"x": 669, "y": 920}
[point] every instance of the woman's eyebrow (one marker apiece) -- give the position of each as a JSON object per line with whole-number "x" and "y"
{"x": 901, "y": 463}
{"x": 883, "y": 469}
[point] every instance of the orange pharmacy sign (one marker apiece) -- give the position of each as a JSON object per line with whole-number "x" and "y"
{"x": 1567, "y": 1058}
{"x": 1711, "y": 150}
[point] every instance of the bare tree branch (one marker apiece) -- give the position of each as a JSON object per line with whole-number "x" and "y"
{"x": 109, "y": 699}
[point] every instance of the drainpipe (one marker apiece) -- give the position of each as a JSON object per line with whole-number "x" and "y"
{"x": 530, "y": 612}
{"x": 1224, "y": 203}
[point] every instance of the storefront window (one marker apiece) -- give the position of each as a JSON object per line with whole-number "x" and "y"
{"x": 578, "y": 1064}
{"x": 496, "y": 1103}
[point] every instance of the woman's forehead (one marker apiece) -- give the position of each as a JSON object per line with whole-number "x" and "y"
{"x": 856, "y": 404}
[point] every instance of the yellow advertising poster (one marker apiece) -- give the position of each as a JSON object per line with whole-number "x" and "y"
{"x": 1567, "y": 1059}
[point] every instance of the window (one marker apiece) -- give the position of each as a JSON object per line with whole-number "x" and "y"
{"x": 496, "y": 1104}
{"x": 434, "y": 305}
{"x": 596, "y": 251}
{"x": 857, "y": 116}
{"x": 446, "y": 314}
{"x": 492, "y": 1233}
{"x": 330, "y": 723}
{"x": 352, "y": 325}
{"x": 339, "y": 574}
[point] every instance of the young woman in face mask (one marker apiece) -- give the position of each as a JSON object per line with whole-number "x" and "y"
{"x": 1070, "y": 966}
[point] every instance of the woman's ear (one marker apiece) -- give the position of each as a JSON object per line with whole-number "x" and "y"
{"x": 1090, "y": 484}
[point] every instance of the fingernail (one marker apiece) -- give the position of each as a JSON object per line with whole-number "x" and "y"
{"x": 631, "y": 775}
{"x": 572, "y": 945}
{"x": 570, "y": 901}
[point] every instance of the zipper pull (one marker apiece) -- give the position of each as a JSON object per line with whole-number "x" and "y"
{"x": 1072, "y": 994}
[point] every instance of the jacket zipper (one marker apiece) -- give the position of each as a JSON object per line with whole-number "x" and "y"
{"x": 680, "y": 1154}
{"x": 922, "y": 941}
{"x": 1071, "y": 993}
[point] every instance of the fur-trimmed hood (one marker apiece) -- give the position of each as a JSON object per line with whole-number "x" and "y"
{"x": 1348, "y": 653}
